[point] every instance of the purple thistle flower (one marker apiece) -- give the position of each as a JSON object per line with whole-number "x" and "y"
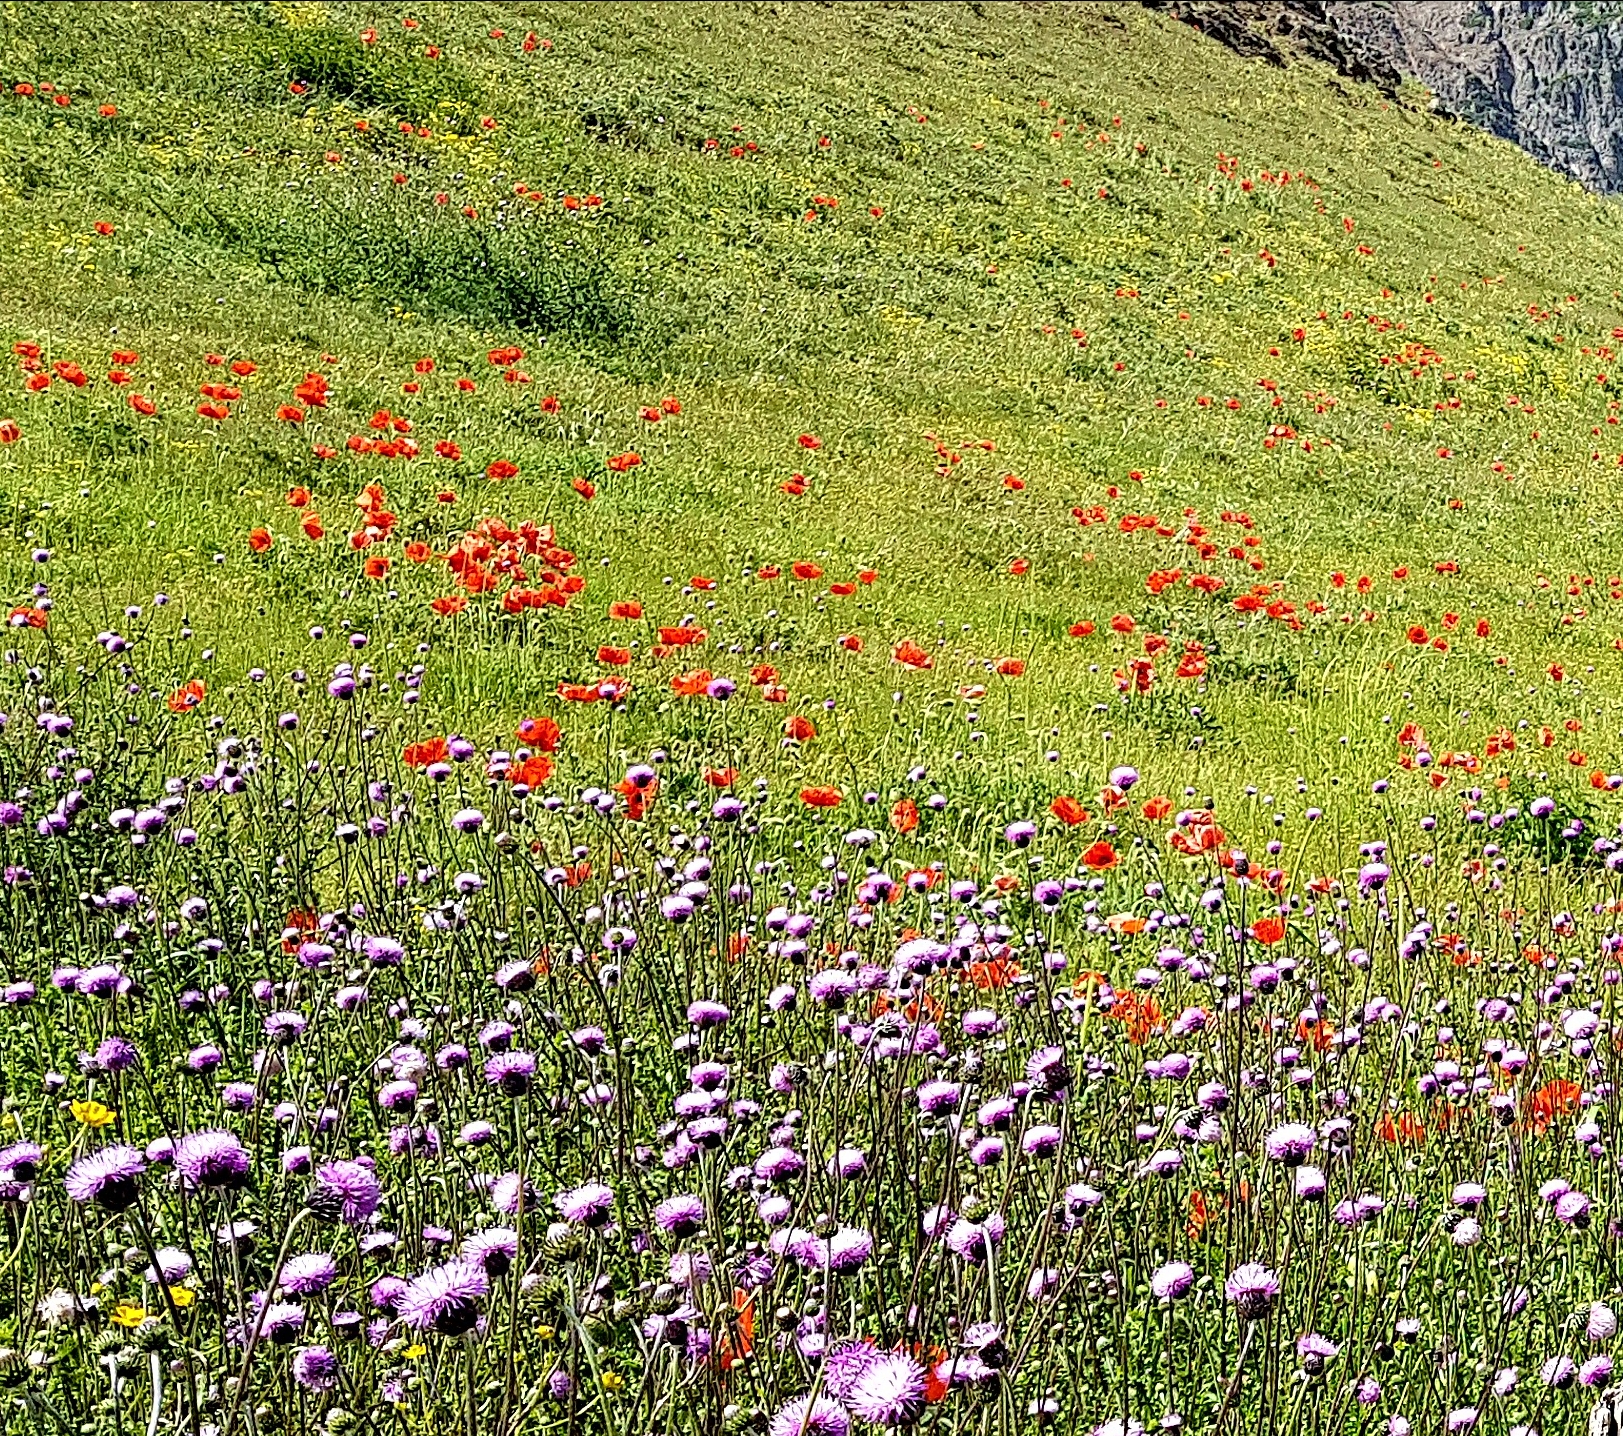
{"x": 590, "y": 1205}
{"x": 1080, "y": 1199}
{"x": 495, "y": 1249}
{"x": 849, "y": 1250}
{"x": 1253, "y": 1289}
{"x": 173, "y": 1266}
{"x": 212, "y": 1161}
{"x": 21, "y": 1161}
{"x": 117, "y": 1054}
{"x": 444, "y": 1298}
{"x": 285, "y": 1027}
{"x": 510, "y": 1195}
{"x": 1559, "y": 1372}
{"x": 1166, "y": 1162}
{"x": 1310, "y": 1184}
{"x": 705, "y": 1015}
{"x": 309, "y": 1273}
{"x": 282, "y": 1322}
{"x": 1601, "y": 1325}
{"x": 1172, "y": 1281}
{"x": 345, "y": 1191}
{"x": 110, "y": 1178}
{"x": 779, "y": 1164}
{"x": 680, "y": 1215}
{"x": 890, "y": 1392}
{"x": 511, "y": 1073}
{"x": 1315, "y": 1351}
{"x": 315, "y": 1368}
{"x": 1046, "y": 1069}
{"x": 844, "y": 1365}
{"x": 1040, "y": 1141}
{"x": 497, "y": 1036}
{"x": 973, "y": 1241}
{"x": 1290, "y": 1144}
{"x": 100, "y": 981}
{"x": 515, "y": 976}
{"x": 1573, "y": 1208}
{"x": 383, "y": 951}
{"x": 810, "y": 1416}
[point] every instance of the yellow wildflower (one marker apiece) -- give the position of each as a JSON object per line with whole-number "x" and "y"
{"x": 93, "y": 1114}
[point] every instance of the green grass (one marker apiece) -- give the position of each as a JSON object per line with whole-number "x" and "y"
{"x": 949, "y": 314}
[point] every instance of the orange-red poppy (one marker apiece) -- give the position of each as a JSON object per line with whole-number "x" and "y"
{"x": 1268, "y": 930}
{"x": 532, "y": 772}
{"x": 1100, "y": 857}
{"x": 541, "y": 733}
{"x": 1068, "y": 810}
{"x": 187, "y": 696}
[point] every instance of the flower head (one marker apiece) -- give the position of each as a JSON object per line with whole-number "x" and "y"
{"x": 1253, "y": 1289}
{"x": 345, "y": 1191}
{"x": 444, "y": 1298}
{"x": 212, "y": 1161}
{"x": 110, "y": 1178}
{"x": 1172, "y": 1280}
{"x": 810, "y": 1416}
{"x": 890, "y": 1391}
{"x": 590, "y": 1205}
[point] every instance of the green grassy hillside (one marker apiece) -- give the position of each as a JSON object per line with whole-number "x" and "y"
{"x": 1078, "y": 245}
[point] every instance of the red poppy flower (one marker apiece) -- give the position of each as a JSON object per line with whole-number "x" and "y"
{"x": 1268, "y": 930}
{"x": 187, "y": 696}
{"x": 1100, "y": 857}
{"x": 1068, "y": 811}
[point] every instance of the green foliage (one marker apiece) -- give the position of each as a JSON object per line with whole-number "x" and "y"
{"x": 1565, "y": 836}
{"x": 529, "y": 273}
{"x": 322, "y": 56}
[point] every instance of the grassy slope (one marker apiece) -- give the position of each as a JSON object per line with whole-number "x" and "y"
{"x": 950, "y": 314}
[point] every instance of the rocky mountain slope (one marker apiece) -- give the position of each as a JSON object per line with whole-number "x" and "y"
{"x": 1546, "y": 76}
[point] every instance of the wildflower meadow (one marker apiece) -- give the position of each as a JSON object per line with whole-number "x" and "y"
{"x": 807, "y": 720}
